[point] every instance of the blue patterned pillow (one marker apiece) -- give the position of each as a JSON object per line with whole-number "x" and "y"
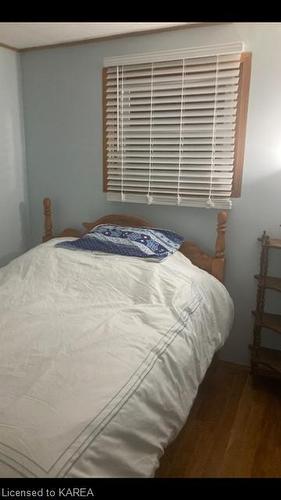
{"x": 148, "y": 243}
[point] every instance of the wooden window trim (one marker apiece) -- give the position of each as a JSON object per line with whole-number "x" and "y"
{"x": 104, "y": 129}
{"x": 241, "y": 123}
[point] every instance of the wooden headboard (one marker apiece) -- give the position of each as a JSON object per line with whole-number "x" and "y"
{"x": 213, "y": 264}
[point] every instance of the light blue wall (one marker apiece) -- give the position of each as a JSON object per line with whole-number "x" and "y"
{"x": 63, "y": 120}
{"x": 13, "y": 188}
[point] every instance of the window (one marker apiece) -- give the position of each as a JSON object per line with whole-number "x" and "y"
{"x": 174, "y": 126}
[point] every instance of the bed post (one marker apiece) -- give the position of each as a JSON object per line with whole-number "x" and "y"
{"x": 221, "y": 228}
{"x": 219, "y": 260}
{"x": 48, "y": 224}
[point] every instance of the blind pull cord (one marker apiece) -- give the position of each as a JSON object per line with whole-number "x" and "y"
{"x": 118, "y": 138}
{"x": 210, "y": 203}
{"x": 181, "y": 134}
{"x": 149, "y": 197}
{"x": 122, "y": 137}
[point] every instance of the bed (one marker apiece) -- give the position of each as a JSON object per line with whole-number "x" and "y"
{"x": 102, "y": 355}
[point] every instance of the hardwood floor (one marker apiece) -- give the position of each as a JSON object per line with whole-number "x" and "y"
{"x": 233, "y": 429}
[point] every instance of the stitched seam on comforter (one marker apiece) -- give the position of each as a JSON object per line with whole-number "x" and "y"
{"x": 170, "y": 334}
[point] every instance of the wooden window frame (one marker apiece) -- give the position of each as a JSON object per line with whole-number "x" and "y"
{"x": 241, "y": 123}
{"x": 240, "y": 127}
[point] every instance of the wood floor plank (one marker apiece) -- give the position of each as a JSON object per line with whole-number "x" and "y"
{"x": 270, "y": 438}
{"x": 233, "y": 429}
{"x": 245, "y": 435}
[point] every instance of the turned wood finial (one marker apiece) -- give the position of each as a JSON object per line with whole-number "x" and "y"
{"x": 221, "y": 228}
{"x": 264, "y": 238}
{"x": 48, "y": 224}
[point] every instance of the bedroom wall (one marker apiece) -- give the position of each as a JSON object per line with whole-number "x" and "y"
{"x": 63, "y": 118}
{"x": 14, "y": 234}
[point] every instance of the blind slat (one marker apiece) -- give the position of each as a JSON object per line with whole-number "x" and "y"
{"x": 175, "y": 70}
{"x": 183, "y": 167}
{"x": 188, "y": 91}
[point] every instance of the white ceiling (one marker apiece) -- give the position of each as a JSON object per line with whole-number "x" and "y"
{"x": 24, "y": 35}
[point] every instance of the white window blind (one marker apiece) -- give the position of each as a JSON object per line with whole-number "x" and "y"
{"x": 170, "y": 126}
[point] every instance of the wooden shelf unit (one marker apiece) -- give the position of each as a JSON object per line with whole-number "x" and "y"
{"x": 269, "y": 282}
{"x": 273, "y": 243}
{"x": 268, "y": 320}
{"x": 266, "y": 361}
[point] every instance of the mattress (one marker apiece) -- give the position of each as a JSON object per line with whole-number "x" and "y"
{"x": 101, "y": 358}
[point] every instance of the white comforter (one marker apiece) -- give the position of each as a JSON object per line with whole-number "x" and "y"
{"x": 101, "y": 358}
